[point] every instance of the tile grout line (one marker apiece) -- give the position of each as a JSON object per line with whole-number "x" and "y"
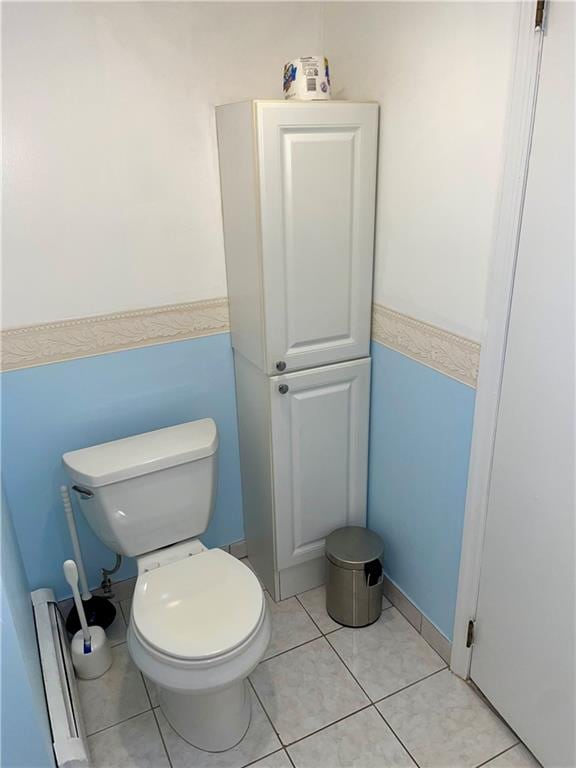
{"x": 257, "y": 760}
{"x": 404, "y": 747}
{"x": 307, "y": 612}
{"x": 385, "y": 697}
{"x": 410, "y": 685}
{"x": 372, "y": 703}
{"x": 132, "y": 717}
{"x": 487, "y": 762}
{"x": 151, "y": 708}
{"x": 284, "y": 747}
{"x": 162, "y": 737}
{"x": 146, "y": 689}
{"x": 358, "y": 683}
{"x": 325, "y": 727}
{"x": 264, "y": 709}
{"x": 330, "y": 631}
{"x": 251, "y": 684}
{"x": 295, "y": 647}
{"x": 120, "y": 722}
{"x": 377, "y": 701}
{"x": 126, "y": 620}
{"x": 479, "y": 694}
{"x": 244, "y": 765}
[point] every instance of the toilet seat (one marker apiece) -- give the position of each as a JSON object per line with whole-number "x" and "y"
{"x": 160, "y": 590}
{"x": 199, "y": 608}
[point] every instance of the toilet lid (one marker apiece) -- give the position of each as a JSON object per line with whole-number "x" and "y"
{"x": 201, "y": 606}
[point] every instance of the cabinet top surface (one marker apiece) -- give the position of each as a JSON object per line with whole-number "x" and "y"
{"x": 299, "y": 103}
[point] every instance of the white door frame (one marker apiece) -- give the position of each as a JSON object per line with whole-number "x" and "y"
{"x": 520, "y": 121}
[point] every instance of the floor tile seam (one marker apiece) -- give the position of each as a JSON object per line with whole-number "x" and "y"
{"x": 410, "y": 755}
{"x": 294, "y": 647}
{"x": 322, "y": 634}
{"x": 243, "y": 765}
{"x": 318, "y": 627}
{"x": 290, "y": 743}
{"x": 480, "y": 694}
{"x": 365, "y": 626}
{"x": 330, "y": 631}
{"x": 119, "y": 722}
{"x": 385, "y": 698}
{"x": 358, "y": 683}
{"x": 503, "y": 752}
{"x": 269, "y": 754}
{"x": 298, "y": 602}
{"x": 126, "y": 618}
{"x": 419, "y": 629}
{"x": 325, "y": 727}
{"x": 146, "y": 689}
{"x": 401, "y": 612}
{"x": 434, "y": 649}
{"x": 410, "y": 685}
{"x": 269, "y": 658}
{"x": 253, "y": 687}
{"x": 305, "y": 592}
{"x": 162, "y": 736}
{"x": 376, "y": 701}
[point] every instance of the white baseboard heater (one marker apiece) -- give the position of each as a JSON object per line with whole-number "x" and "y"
{"x": 68, "y": 736}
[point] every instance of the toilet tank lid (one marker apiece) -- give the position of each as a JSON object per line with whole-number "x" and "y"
{"x": 141, "y": 454}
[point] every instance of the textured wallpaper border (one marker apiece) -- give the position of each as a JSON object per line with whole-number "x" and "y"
{"x": 448, "y": 353}
{"x": 69, "y": 339}
{"x": 34, "y": 345}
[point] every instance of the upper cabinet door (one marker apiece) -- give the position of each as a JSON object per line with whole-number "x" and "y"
{"x": 317, "y": 170}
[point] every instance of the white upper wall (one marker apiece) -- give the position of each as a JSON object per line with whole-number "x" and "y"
{"x": 441, "y": 72}
{"x": 111, "y": 190}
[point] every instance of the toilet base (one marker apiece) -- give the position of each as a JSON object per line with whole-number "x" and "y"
{"x": 213, "y": 722}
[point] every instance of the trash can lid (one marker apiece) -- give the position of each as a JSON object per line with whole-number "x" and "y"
{"x": 352, "y": 547}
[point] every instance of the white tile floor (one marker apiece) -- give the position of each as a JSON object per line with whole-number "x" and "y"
{"x": 324, "y": 697}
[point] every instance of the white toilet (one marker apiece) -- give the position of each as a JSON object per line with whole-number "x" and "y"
{"x": 199, "y": 622}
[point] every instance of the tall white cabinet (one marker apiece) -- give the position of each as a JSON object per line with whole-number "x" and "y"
{"x": 298, "y": 193}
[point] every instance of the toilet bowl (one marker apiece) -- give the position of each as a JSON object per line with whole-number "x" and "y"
{"x": 199, "y": 622}
{"x": 198, "y": 627}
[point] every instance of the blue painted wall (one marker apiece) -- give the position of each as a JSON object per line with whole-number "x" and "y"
{"x": 23, "y": 701}
{"x": 57, "y": 408}
{"x": 421, "y": 425}
{"x": 420, "y": 433}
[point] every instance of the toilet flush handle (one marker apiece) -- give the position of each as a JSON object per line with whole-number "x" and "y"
{"x": 85, "y": 493}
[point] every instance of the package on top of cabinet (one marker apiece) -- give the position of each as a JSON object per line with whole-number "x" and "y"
{"x": 307, "y": 78}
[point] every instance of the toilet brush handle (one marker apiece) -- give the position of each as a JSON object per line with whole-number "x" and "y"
{"x": 71, "y": 574}
{"x": 69, "y": 512}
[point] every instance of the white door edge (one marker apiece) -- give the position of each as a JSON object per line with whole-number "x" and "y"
{"x": 520, "y": 120}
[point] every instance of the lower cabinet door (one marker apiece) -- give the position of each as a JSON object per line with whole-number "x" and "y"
{"x": 320, "y": 455}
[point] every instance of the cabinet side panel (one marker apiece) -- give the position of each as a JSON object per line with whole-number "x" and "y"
{"x": 241, "y": 228}
{"x": 253, "y": 403}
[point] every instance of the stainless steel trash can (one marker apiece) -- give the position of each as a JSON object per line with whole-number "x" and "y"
{"x": 354, "y": 576}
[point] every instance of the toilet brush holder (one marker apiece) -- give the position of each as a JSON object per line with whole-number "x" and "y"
{"x": 91, "y": 659}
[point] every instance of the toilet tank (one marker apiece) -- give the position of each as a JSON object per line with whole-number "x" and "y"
{"x": 148, "y": 491}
